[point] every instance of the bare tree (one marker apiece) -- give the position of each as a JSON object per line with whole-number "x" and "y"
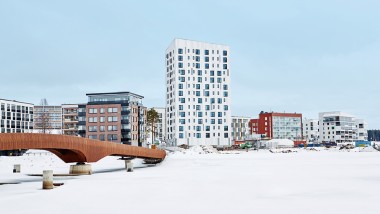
{"x": 43, "y": 120}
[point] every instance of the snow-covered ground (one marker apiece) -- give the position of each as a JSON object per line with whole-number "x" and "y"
{"x": 195, "y": 181}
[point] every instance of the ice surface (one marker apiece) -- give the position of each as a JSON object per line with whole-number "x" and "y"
{"x": 192, "y": 181}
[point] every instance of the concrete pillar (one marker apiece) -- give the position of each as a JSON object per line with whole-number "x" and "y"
{"x": 16, "y": 168}
{"x": 81, "y": 169}
{"x": 47, "y": 179}
{"x": 129, "y": 165}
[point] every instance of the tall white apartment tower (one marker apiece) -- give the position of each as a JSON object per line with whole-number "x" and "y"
{"x": 198, "y": 93}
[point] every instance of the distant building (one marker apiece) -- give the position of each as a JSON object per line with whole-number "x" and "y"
{"x": 341, "y": 128}
{"x": 47, "y": 118}
{"x": 16, "y": 116}
{"x": 239, "y": 128}
{"x": 70, "y": 119}
{"x": 310, "y": 130}
{"x": 116, "y": 116}
{"x": 278, "y": 125}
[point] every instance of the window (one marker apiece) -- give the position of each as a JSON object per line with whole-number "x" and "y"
{"x": 180, "y": 51}
{"x": 198, "y": 107}
{"x": 207, "y": 128}
{"x": 180, "y": 65}
{"x": 112, "y": 110}
{"x": 180, "y": 128}
{"x": 225, "y": 59}
{"x": 92, "y": 128}
{"x": 212, "y": 80}
{"x": 220, "y": 121}
{"x": 207, "y": 107}
{"x": 225, "y": 87}
{"x": 212, "y": 114}
{"x": 207, "y": 52}
{"x": 197, "y": 59}
{"x": 197, "y": 51}
{"x": 197, "y": 93}
{"x": 180, "y": 93}
{"x": 180, "y": 58}
{"x": 219, "y": 114}
{"x": 112, "y": 119}
{"x": 112, "y": 137}
{"x": 200, "y": 114}
{"x": 207, "y": 93}
{"x": 93, "y": 111}
{"x": 224, "y": 53}
{"x": 182, "y": 121}
{"x": 219, "y": 73}
{"x": 101, "y": 137}
{"x": 102, "y": 119}
{"x": 197, "y": 65}
{"x": 94, "y": 137}
{"x": 207, "y": 86}
{"x": 102, "y": 128}
{"x": 225, "y": 135}
{"x": 181, "y": 135}
{"x": 207, "y": 59}
{"x": 219, "y": 100}
{"x": 212, "y": 121}
{"x": 207, "y": 66}
{"x": 180, "y": 107}
{"x": 92, "y": 119}
{"x": 182, "y": 100}
{"x": 199, "y": 79}
{"x": 180, "y": 86}
{"x": 200, "y": 72}
{"x": 112, "y": 128}
{"x": 224, "y": 66}
{"x": 225, "y": 128}
{"x": 212, "y": 100}
{"x": 199, "y": 135}
{"x": 207, "y": 135}
{"x": 182, "y": 114}
{"x": 198, "y": 86}
{"x": 225, "y": 94}
{"x": 199, "y": 100}
{"x": 200, "y": 121}
{"x": 211, "y": 73}
{"x": 101, "y": 110}
{"x": 225, "y": 107}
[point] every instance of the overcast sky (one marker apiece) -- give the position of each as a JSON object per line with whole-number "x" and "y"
{"x": 293, "y": 55}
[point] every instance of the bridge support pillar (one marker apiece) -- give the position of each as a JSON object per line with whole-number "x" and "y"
{"x": 81, "y": 169}
{"x": 47, "y": 179}
{"x": 129, "y": 165}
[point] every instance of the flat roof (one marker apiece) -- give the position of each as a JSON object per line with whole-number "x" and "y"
{"x": 17, "y": 101}
{"x": 115, "y": 93}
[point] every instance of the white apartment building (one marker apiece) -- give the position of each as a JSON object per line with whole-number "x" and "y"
{"x": 161, "y": 124}
{"x": 239, "y": 128}
{"x": 16, "y": 117}
{"x": 340, "y": 128}
{"x": 198, "y": 93}
{"x": 47, "y": 119}
{"x": 361, "y": 125}
{"x": 310, "y": 130}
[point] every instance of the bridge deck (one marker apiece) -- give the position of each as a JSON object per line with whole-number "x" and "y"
{"x": 75, "y": 149}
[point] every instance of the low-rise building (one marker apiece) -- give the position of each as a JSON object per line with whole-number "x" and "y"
{"x": 278, "y": 125}
{"x": 16, "y": 116}
{"x": 239, "y": 129}
{"x": 341, "y": 128}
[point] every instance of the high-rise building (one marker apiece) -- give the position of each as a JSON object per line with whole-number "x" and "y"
{"x": 161, "y": 124}
{"x": 47, "y": 118}
{"x": 70, "y": 119}
{"x": 116, "y": 116}
{"x": 310, "y": 129}
{"x": 341, "y": 128}
{"x": 16, "y": 117}
{"x": 197, "y": 93}
{"x": 239, "y": 128}
{"x": 278, "y": 125}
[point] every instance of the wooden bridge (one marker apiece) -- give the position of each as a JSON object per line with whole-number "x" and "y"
{"x": 77, "y": 149}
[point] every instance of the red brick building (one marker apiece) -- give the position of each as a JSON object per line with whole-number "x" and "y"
{"x": 278, "y": 125}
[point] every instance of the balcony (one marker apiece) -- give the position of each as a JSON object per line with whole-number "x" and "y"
{"x": 83, "y": 123}
{"x": 124, "y": 121}
{"x": 125, "y": 112}
{"x": 82, "y": 114}
{"x": 125, "y": 130}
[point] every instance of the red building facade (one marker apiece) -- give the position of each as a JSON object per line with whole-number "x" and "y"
{"x": 277, "y": 125}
